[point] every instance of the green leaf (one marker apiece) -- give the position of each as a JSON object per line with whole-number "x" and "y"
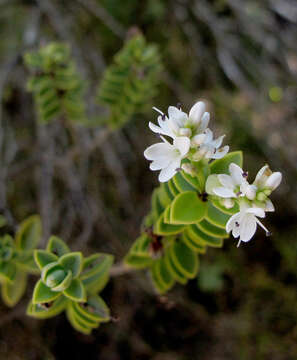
{"x": 185, "y": 259}
{"x": 155, "y": 272}
{"x": 174, "y": 271}
{"x": 167, "y": 214}
{"x": 29, "y": 233}
{"x": 221, "y": 166}
{"x": 43, "y": 294}
{"x": 161, "y": 276}
{"x": 173, "y": 189}
{"x": 161, "y": 228}
{"x": 40, "y": 311}
{"x": 12, "y": 292}
{"x": 64, "y": 284}
{"x": 202, "y": 238}
{"x": 43, "y": 258}
{"x": 98, "y": 308}
{"x": 157, "y": 208}
{"x": 182, "y": 184}
{"x": 187, "y": 208}
{"x": 73, "y": 262}
{"x": 216, "y": 217}
{"x": 26, "y": 261}
{"x": 76, "y": 322}
{"x": 138, "y": 260}
{"x": 57, "y": 246}
{"x": 80, "y": 315}
{"x": 165, "y": 186}
{"x": 7, "y": 271}
{"x": 193, "y": 180}
{"x": 95, "y": 274}
{"x": 76, "y": 291}
{"x": 212, "y": 230}
{"x": 195, "y": 246}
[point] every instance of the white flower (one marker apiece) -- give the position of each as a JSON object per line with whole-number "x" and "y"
{"x": 178, "y": 123}
{"x": 167, "y": 157}
{"x": 209, "y": 148}
{"x": 244, "y": 223}
{"x": 267, "y": 179}
{"x": 233, "y": 185}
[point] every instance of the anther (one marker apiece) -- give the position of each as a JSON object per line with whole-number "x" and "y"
{"x": 237, "y": 223}
{"x": 178, "y": 169}
{"x": 163, "y": 117}
{"x": 238, "y": 193}
{"x": 178, "y": 105}
{"x": 245, "y": 174}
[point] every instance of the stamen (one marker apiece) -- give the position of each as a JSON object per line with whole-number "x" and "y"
{"x": 238, "y": 193}
{"x": 238, "y": 243}
{"x": 159, "y": 111}
{"x": 237, "y": 223}
{"x": 263, "y": 227}
{"x": 268, "y": 233}
{"x": 163, "y": 117}
{"x": 178, "y": 105}
{"x": 245, "y": 174}
{"x": 178, "y": 169}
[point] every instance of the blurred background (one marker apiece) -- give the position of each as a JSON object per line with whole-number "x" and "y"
{"x": 238, "y": 55}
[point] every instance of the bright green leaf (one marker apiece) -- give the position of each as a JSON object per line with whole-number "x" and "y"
{"x": 43, "y": 294}
{"x": 187, "y": 208}
{"x": 29, "y": 233}
{"x": 57, "y": 246}
{"x": 76, "y": 291}
{"x": 73, "y": 262}
{"x": 12, "y": 292}
{"x": 221, "y": 166}
{"x": 43, "y": 258}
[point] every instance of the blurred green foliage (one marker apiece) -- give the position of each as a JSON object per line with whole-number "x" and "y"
{"x": 241, "y": 56}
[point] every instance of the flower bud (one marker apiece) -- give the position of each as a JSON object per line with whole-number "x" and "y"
{"x": 189, "y": 169}
{"x": 274, "y": 180}
{"x": 261, "y": 196}
{"x": 198, "y": 139}
{"x": 227, "y": 203}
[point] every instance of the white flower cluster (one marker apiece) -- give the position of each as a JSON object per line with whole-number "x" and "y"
{"x": 189, "y": 137}
{"x": 252, "y": 198}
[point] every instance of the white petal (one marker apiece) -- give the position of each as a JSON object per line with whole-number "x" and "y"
{"x": 197, "y": 140}
{"x": 196, "y": 112}
{"x": 168, "y": 172}
{"x": 269, "y": 206}
{"x": 209, "y": 136}
{"x": 248, "y": 227}
{"x": 261, "y": 177}
{"x": 224, "y": 192}
{"x": 226, "y": 181}
{"x": 249, "y": 191}
{"x": 155, "y": 128}
{"x": 160, "y": 163}
{"x": 158, "y": 150}
{"x": 178, "y": 116}
{"x": 182, "y": 143}
{"x": 256, "y": 211}
{"x": 231, "y": 222}
{"x": 274, "y": 180}
{"x": 218, "y": 142}
{"x": 236, "y": 173}
{"x": 204, "y": 121}
{"x": 221, "y": 152}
